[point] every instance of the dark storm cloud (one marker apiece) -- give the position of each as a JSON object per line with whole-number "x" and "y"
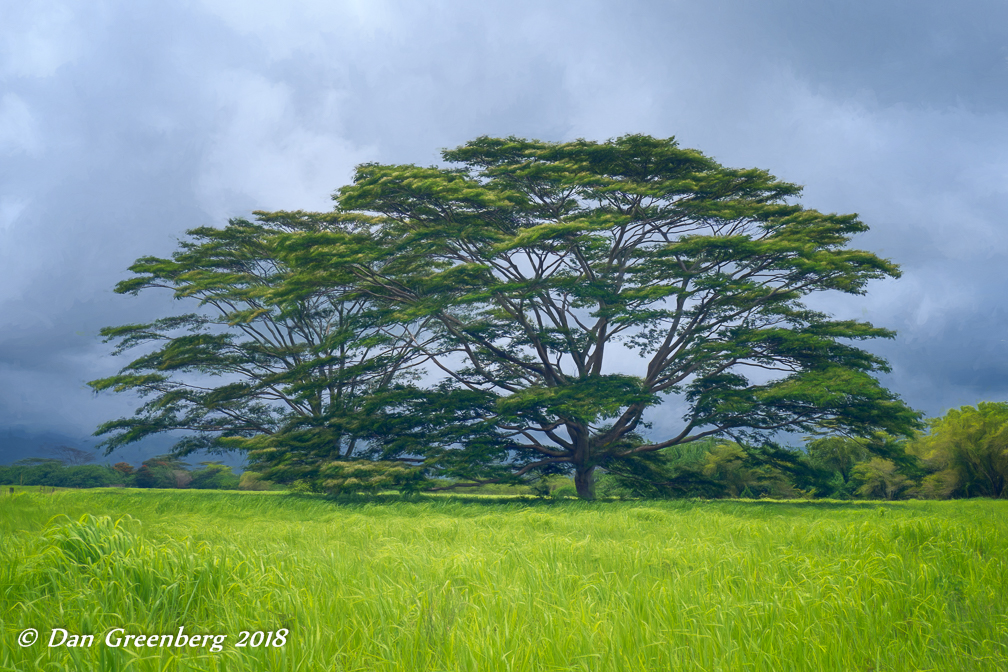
{"x": 123, "y": 124}
{"x": 936, "y": 54}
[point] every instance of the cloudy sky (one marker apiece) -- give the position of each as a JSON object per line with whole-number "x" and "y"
{"x": 122, "y": 124}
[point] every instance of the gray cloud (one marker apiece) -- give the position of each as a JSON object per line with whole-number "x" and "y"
{"x": 123, "y": 124}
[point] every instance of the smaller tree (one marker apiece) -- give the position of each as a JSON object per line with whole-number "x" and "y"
{"x": 741, "y": 475}
{"x": 836, "y": 456}
{"x": 71, "y": 456}
{"x": 675, "y": 471}
{"x": 250, "y": 480}
{"x": 838, "y": 453}
{"x": 879, "y": 478}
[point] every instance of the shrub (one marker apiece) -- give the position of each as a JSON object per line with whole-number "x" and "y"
{"x": 250, "y": 480}
{"x": 214, "y": 476}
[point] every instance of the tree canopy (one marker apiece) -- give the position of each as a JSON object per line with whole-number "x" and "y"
{"x": 519, "y": 311}
{"x": 532, "y": 269}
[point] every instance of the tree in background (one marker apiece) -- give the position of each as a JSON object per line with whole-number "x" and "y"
{"x": 264, "y": 355}
{"x": 214, "y": 476}
{"x": 54, "y": 473}
{"x": 837, "y": 456}
{"x": 163, "y": 471}
{"x": 536, "y": 268}
{"x": 72, "y": 456}
{"x": 672, "y": 472}
{"x": 251, "y": 480}
{"x": 879, "y": 478}
{"x": 967, "y": 452}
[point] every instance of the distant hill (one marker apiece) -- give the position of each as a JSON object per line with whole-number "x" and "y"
{"x": 18, "y": 443}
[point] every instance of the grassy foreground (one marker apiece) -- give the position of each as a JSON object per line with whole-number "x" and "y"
{"x": 454, "y": 584}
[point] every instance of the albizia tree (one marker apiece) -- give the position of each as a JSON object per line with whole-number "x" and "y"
{"x": 527, "y": 262}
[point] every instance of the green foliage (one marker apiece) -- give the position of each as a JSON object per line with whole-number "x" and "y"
{"x": 512, "y": 273}
{"x": 267, "y": 359}
{"x": 529, "y": 261}
{"x": 966, "y": 452}
{"x": 675, "y": 471}
{"x": 708, "y": 468}
{"x": 364, "y": 476}
{"x": 838, "y": 454}
{"x": 834, "y": 459}
{"x": 350, "y": 476}
{"x": 564, "y": 491}
{"x": 214, "y": 476}
{"x": 876, "y": 467}
{"x": 163, "y": 471}
{"x": 733, "y": 468}
{"x": 53, "y": 473}
{"x": 879, "y": 478}
{"x": 250, "y": 480}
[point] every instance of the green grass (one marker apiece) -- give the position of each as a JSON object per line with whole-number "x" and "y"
{"x": 503, "y": 584}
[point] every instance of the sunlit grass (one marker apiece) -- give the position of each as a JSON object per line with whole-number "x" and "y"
{"x": 496, "y": 584}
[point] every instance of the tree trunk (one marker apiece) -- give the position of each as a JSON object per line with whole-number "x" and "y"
{"x": 584, "y": 481}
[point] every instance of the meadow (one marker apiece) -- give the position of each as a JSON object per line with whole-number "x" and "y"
{"x": 467, "y": 583}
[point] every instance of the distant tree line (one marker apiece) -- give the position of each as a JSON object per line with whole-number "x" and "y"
{"x": 159, "y": 472}
{"x": 963, "y": 454}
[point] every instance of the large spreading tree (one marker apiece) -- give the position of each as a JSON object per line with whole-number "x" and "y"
{"x": 529, "y": 273}
{"x": 557, "y": 294}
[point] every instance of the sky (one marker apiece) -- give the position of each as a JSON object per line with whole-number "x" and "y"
{"x": 123, "y": 124}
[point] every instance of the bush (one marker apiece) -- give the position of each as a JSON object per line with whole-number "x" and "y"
{"x": 214, "y": 476}
{"x": 707, "y": 468}
{"x": 155, "y": 477}
{"x": 250, "y": 480}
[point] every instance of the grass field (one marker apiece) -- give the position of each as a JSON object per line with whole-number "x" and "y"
{"x": 467, "y": 584}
